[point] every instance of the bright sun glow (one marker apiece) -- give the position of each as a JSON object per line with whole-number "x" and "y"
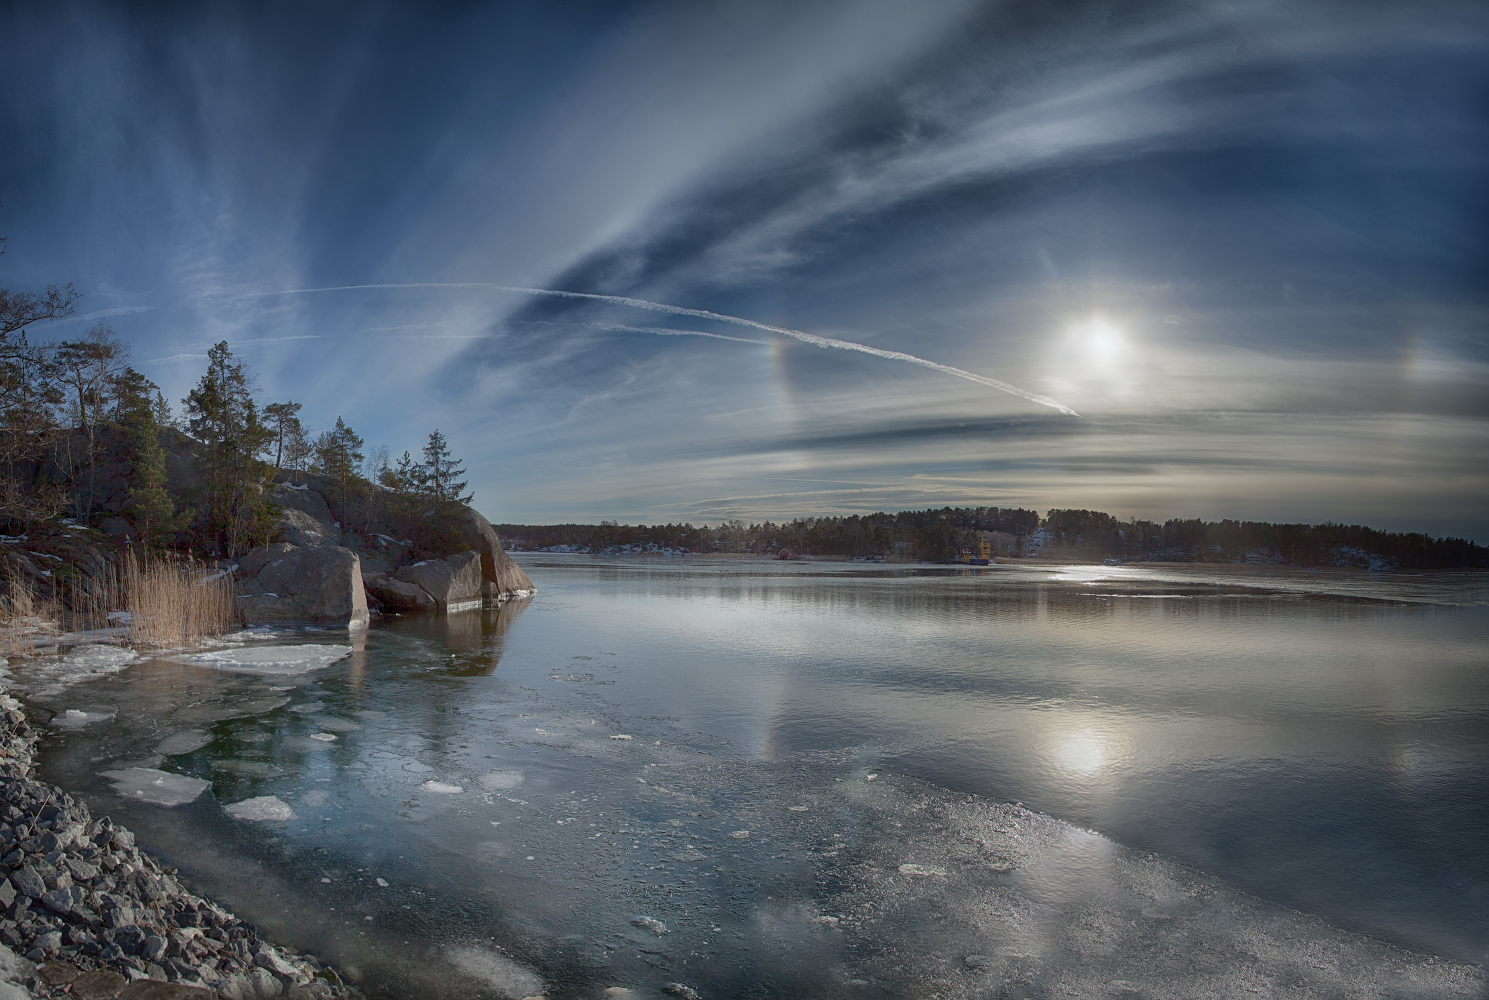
{"x": 1081, "y": 752}
{"x": 1095, "y": 359}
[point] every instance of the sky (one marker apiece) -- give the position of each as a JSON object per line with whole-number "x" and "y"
{"x": 1205, "y": 259}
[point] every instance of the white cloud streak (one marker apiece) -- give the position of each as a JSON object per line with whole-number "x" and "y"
{"x": 661, "y": 307}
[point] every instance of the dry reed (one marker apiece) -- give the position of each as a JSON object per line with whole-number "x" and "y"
{"x": 23, "y": 619}
{"x": 175, "y": 602}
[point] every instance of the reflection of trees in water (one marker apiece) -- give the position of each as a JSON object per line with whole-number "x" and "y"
{"x": 473, "y": 638}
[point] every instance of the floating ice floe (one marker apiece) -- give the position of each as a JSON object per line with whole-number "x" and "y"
{"x": 264, "y": 808}
{"x": 183, "y": 742}
{"x": 623, "y": 737}
{"x": 316, "y": 797}
{"x": 740, "y": 835}
{"x": 651, "y": 924}
{"x": 338, "y": 725}
{"x": 922, "y": 871}
{"x": 323, "y": 737}
{"x": 382, "y": 882}
{"x": 498, "y": 971}
{"x": 797, "y": 809}
{"x": 75, "y": 718}
{"x": 269, "y": 660}
{"x": 499, "y": 781}
{"x": 161, "y": 788}
{"x": 52, "y": 675}
{"x": 441, "y": 787}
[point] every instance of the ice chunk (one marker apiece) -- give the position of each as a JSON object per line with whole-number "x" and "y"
{"x": 50, "y": 676}
{"x": 650, "y": 924}
{"x": 270, "y": 660}
{"x": 441, "y": 787}
{"x": 323, "y": 737}
{"x": 76, "y": 718}
{"x": 183, "y": 742}
{"x": 740, "y": 835}
{"x": 623, "y": 736}
{"x": 922, "y": 871}
{"x": 255, "y": 768}
{"x": 161, "y": 788}
{"x": 499, "y": 781}
{"x": 316, "y": 797}
{"x": 506, "y": 976}
{"x": 382, "y": 882}
{"x": 265, "y": 808}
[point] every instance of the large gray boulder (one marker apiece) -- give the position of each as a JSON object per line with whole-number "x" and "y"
{"x": 452, "y": 581}
{"x": 305, "y": 519}
{"x": 283, "y": 582}
{"x": 505, "y": 578}
{"x": 397, "y": 595}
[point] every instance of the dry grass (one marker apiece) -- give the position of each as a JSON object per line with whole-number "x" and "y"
{"x": 175, "y": 602}
{"x": 24, "y": 620}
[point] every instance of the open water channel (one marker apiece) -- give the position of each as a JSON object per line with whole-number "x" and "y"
{"x": 766, "y": 779}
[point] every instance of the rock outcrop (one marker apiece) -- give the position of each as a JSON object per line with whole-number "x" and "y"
{"x": 284, "y": 582}
{"x": 505, "y": 578}
{"x": 456, "y": 580}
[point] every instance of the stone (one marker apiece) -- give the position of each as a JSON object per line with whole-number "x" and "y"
{"x": 7, "y": 894}
{"x": 154, "y": 947}
{"x": 121, "y": 838}
{"x": 496, "y": 566}
{"x": 130, "y": 938}
{"x": 268, "y": 958}
{"x": 28, "y": 882}
{"x": 455, "y": 580}
{"x": 265, "y": 984}
{"x": 47, "y": 943}
{"x": 149, "y": 989}
{"x": 100, "y": 984}
{"x": 321, "y": 584}
{"x": 56, "y": 973}
{"x": 59, "y": 901}
{"x": 81, "y": 870}
{"x": 396, "y": 595}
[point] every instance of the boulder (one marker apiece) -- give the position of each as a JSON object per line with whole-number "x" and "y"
{"x": 396, "y": 595}
{"x": 283, "y": 582}
{"x": 455, "y": 580}
{"x": 497, "y": 567}
{"x": 304, "y": 518}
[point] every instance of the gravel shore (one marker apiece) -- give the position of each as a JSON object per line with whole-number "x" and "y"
{"x": 85, "y": 913}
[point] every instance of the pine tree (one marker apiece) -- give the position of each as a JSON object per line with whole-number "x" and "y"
{"x": 148, "y": 506}
{"x": 339, "y": 453}
{"x": 442, "y": 472}
{"x": 222, "y": 415}
{"x": 282, "y": 421}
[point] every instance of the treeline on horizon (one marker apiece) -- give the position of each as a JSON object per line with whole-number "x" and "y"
{"x": 951, "y": 534}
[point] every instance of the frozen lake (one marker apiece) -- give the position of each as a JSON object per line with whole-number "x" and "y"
{"x": 771, "y": 779}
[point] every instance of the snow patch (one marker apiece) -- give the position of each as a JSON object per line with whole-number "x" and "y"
{"x": 264, "y": 808}
{"x": 161, "y": 788}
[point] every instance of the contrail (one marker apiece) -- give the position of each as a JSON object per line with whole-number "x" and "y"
{"x": 806, "y": 338}
{"x": 663, "y": 331}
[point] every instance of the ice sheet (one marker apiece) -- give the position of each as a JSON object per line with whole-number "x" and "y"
{"x": 269, "y": 660}
{"x": 161, "y": 788}
{"x": 498, "y": 971}
{"x": 264, "y": 808}
{"x": 49, "y": 676}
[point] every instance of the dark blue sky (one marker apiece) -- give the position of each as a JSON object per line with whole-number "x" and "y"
{"x": 1245, "y": 242}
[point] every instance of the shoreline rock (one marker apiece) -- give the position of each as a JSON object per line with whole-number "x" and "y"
{"x": 84, "y": 912}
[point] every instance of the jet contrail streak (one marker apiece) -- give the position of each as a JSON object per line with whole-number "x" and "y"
{"x": 663, "y": 331}
{"x": 806, "y": 338}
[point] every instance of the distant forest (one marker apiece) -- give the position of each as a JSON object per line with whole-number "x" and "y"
{"x": 950, "y": 534}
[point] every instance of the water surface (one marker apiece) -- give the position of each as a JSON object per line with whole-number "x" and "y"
{"x": 1317, "y": 740}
